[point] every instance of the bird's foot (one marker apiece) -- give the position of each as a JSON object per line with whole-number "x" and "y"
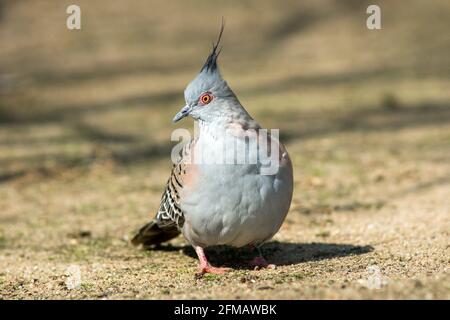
{"x": 213, "y": 270}
{"x": 259, "y": 263}
{"x": 205, "y": 267}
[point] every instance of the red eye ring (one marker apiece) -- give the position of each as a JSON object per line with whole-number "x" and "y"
{"x": 205, "y": 98}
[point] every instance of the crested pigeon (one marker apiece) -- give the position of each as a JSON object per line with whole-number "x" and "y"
{"x": 221, "y": 203}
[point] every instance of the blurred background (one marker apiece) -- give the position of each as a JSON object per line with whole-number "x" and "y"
{"x": 85, "y": 115}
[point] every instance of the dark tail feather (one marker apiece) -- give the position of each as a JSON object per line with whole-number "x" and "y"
{"x": 151, "y": 234}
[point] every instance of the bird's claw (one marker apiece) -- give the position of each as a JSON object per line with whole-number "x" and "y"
{"x": 260, "y": 262}
{"x": 213, "y": 270}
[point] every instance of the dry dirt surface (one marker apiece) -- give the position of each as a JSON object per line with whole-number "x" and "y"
{"x": 85, "y": 123}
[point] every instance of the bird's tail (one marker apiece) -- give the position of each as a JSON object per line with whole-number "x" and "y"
{"x": 152, "y": 234}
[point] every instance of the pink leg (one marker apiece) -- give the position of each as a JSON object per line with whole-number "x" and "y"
{"x": 205, "y": 267}
{"x": 259, "y": 261}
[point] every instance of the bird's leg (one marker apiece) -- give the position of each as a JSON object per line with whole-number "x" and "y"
{"x": 259, "y": 261}
{"x": 205, "y": 267}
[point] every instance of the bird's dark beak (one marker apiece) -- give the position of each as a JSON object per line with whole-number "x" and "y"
{"x": 184, "y": 112}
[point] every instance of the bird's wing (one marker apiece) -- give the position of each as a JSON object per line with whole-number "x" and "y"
{"x": 170, "y": 218}
{"x": 170, "y": 214}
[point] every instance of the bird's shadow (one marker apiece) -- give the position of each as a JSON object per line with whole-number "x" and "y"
{"x": 276, "y": 252}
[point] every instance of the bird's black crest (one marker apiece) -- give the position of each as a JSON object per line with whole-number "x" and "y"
{"x": 211, "y": 61}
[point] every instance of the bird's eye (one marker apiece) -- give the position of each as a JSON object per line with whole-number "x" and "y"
{"x": 205, "y": 98}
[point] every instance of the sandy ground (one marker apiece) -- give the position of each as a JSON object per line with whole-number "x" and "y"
{"x": 85, "y": 123}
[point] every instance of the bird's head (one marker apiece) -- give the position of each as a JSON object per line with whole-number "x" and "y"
{"x": 208, "y": 94}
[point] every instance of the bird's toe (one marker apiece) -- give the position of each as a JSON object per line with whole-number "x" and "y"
{"x": 213, "y": 270}
{"x": 260, "y": 262}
